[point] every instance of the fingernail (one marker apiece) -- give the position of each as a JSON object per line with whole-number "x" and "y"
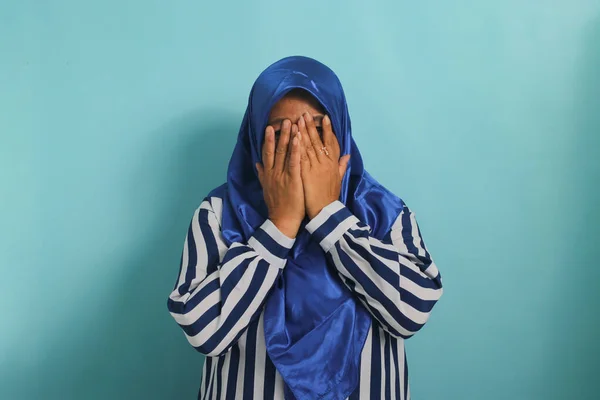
{"x": 301, "y": 121}
{"x": 294, "y": 129}
{"x": 269, "y": 132}
{"x": 308, "y": 116}
{"x": 326, "y": 119}
{"x": 286, "y": 123}
{"x": 295, "y": 141}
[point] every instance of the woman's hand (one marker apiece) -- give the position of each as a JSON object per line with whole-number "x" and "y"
{"x": 322, "y": 167}
{"x": 279, "y": 175}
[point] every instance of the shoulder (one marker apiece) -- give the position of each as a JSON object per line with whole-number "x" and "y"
{"x": 218, "y": 192}
{"x": 374, "y": 192}
{"x": 378, "y": 206}
{"x": 213, "y": 202}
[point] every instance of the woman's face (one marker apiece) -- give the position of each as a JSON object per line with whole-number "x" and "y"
{"x": 292, "y": 106}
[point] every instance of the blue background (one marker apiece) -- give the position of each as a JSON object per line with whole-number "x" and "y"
{"x": 117, "y": 117}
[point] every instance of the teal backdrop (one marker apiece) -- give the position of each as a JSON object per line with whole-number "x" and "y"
{"x": 117, "y": 118}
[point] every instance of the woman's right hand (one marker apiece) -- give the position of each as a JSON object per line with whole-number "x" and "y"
{"x": 280, "y": 178}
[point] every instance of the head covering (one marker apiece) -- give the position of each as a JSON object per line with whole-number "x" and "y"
{"x": 315, "y": 328}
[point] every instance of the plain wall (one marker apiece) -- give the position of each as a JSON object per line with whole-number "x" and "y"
{"x": 118, "y": 117}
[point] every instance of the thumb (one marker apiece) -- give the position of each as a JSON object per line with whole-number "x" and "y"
{"x": 343, "y": 164}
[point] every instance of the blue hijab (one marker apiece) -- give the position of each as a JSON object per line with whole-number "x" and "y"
{"x": 315, "y": 328}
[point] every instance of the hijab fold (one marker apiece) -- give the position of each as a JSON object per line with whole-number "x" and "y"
{"x": 315, "y": 328}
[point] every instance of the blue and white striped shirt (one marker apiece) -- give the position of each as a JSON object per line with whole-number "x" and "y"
{"x": 221, "y": 290}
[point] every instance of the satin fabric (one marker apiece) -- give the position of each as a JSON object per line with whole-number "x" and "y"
{"x": 314, "y": 327}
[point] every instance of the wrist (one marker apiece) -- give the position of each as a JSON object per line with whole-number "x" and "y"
{"x": 287, "y": 227}
{"x": 331, "y": 224}
{"x": 312, "y": 212}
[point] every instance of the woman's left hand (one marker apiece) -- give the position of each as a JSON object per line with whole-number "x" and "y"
{"x": 322, "y": 169}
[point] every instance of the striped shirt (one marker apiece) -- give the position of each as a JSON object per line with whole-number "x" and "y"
{"x": 221, "y": 290}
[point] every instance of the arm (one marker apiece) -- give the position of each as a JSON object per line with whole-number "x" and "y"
{"x": 395, "y": 279}
{"x": 220, "y": 289}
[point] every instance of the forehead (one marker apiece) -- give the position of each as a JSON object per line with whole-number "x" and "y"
{"x": 294, "y": 104}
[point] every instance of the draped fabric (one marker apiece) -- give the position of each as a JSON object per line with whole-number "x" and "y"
{"x": 314, "y": 327}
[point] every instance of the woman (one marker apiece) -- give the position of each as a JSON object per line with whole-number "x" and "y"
{"x": 302, "y": 275}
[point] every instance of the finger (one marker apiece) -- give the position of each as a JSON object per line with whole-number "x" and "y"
{"x": 294, "y": 158}
{"x": 304, "y": 160}
{"x": 329, "y": 139}
{"x": 282, "y": 144}
{"x": 315, "y": 139}
{"x": 308, "y": 147}
{"x": 343, "y": 165}
{"x": 294, "y": 132}
{"x": 268, "y": 150}
{"x": 260, "y": 170}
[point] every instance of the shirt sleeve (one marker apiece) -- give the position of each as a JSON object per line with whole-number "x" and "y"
{"x": 221, "y": 289}
{"x": 395, "y": 278}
